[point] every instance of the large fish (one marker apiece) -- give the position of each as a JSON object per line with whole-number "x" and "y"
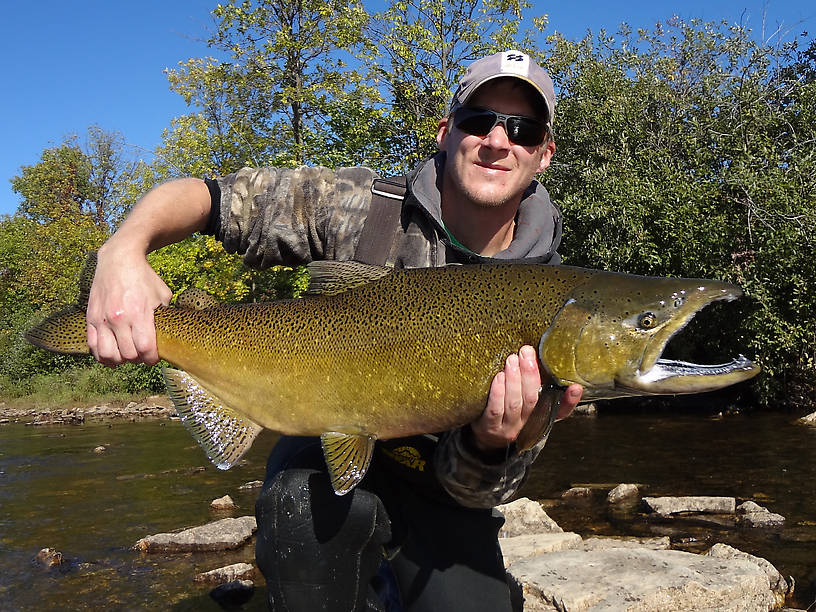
{"x": 373, "y": 353}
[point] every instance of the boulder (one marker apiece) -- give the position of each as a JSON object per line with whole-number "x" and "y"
{"x": 674, "y": 505}
{"x": 222, "y": 504}
{"x": 225, "y": 534}
{"x": 524, "y": 516}
{"x": 623, "y": 492}
{"x": 754, "y": 515}
{"x": 639, "y": 579}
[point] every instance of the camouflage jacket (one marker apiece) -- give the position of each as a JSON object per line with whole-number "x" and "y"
{"x": 293, "y": 216}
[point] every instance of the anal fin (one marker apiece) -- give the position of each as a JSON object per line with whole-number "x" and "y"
{"x": 347, "y": 457}
{"x": 223, "y": 433}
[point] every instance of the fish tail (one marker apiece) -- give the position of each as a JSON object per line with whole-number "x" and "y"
{"x": 66, "y": 331}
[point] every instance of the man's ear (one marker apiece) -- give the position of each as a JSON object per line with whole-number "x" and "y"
{"x": 441, "y": 133}
{"x": 546, "y": 157}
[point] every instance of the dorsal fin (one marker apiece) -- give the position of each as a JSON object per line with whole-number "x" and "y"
{"x": 194, "y": 298}
{"x": 333, "y": 277}
{"x": 86, "y": 279}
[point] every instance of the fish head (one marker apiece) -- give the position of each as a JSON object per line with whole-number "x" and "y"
{"x": 610, "y": 334}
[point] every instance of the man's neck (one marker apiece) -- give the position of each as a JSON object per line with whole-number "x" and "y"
{"x": 485, "y": 230}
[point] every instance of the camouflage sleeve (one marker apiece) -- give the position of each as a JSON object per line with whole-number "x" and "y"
{"x": 291, "y": 216}
{"x": 478, "y": 481}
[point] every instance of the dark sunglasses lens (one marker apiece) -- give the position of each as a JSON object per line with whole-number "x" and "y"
{"x": 520, "y": 130}
{"x": 525, "y": 132}
{"x": 476, "y": 124}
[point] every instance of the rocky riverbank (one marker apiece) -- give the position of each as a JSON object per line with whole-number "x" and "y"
{"x": 154, "y": 407}
{"x": 547, "y": 568}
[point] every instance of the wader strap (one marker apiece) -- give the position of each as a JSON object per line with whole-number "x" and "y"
{"x": 383, "y": 219}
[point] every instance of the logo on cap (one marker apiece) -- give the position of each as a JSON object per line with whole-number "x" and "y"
{"x": 515, "y": 63}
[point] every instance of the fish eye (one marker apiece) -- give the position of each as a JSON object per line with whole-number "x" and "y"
{"x": 678, "y": 302}
{"x": 647, "y": 320}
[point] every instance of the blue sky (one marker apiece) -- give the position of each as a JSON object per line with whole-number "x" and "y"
{"x": 69, "y": 65}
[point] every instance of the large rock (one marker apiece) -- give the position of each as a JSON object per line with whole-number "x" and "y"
{"x": 524, "y": 546}
{"x": 524, "y": 517}
{"x": 225, "y": 534}
{"x": 623, "y": 579}
{"x": 754, "y": 515}
{"x": 606, "y": 542}
{"x": 623, "y": 492}
{"x": 702, "y": 504}
{"x": 778, "y": 585}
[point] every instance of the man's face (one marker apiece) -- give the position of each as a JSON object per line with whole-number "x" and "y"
{"x": 490, "y": 170}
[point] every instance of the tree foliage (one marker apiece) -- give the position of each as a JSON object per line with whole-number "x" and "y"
{"x": 688, "y": 150}
{"x": 684, "y": 149}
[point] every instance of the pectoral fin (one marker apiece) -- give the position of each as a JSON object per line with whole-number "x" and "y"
{"x": 224, "y": 434}
{"x": 540, "y": 422}
{"x": 348, "y": 457}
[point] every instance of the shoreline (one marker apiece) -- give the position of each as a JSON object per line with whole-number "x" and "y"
{"x": 152, "y": 407}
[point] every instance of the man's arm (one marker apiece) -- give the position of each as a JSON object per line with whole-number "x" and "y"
{"x": 125, "y": 289}
{"x": 476, "y": 464}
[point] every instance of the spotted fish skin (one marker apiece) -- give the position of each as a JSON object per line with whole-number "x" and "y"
{"x": 373, "y": 353}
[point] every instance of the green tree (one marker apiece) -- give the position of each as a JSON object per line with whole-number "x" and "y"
{"x": 423, "y": 49}
{"x": 687, "y": 150}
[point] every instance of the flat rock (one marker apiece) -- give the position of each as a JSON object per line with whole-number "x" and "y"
{"x": 228, "y": 573}
{"x": 225, "y": 534}
{"x": 524, "y": 546}
{"x": 606, "y": 542}
{"x": 525, "y": 516}
{"x": 620, "y": 579}
{"x": 577, "y": 493}
{"x": 623, "y": 492}
{"x": 700, "y": 504}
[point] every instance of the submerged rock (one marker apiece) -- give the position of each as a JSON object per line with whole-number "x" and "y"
{"x": 225, "y": 534}
{"x": 233, "y": 594}
{"x": 642, "y": 580}
{"x": 50, "y": 557}
{"x": 228, "y": 573}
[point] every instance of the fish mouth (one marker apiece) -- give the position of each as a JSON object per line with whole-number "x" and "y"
{"x": 660, "y": 376}
{"x": 676, "y": 377}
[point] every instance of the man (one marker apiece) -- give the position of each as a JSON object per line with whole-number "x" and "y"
{"x": 425, "y": 503}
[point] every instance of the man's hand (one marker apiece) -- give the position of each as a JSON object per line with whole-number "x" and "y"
{"x": 124, "y": 293}
{"x": 512, "y": 398}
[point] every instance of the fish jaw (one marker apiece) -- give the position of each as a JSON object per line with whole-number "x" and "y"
{"x": 610, "y": 335}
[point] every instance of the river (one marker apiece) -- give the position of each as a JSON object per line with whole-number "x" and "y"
{"x": 55, "y": 491}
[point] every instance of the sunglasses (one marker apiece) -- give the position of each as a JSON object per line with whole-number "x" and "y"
{"x": 524, "y": 131}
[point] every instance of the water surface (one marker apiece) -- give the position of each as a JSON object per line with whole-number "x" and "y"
{"x": 55, "y": 491}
